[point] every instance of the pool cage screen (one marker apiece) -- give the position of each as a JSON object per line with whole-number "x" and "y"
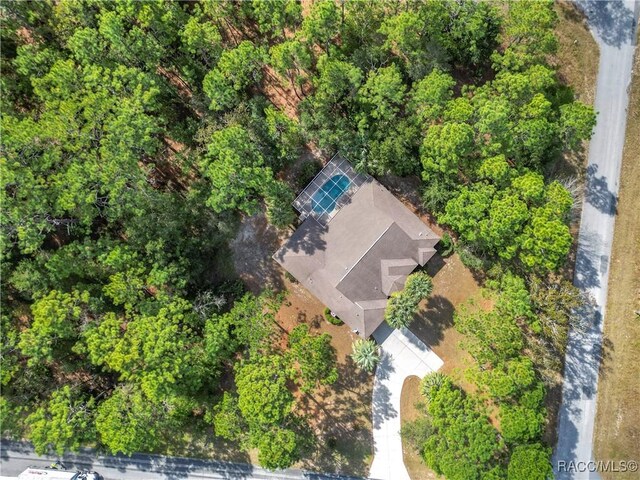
{"x": 316, "y": 199}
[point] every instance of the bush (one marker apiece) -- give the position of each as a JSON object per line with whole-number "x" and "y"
{"x": 330, "y": 318}
{"x": 290, "y": 277}
{"x": 446, "y": 245}
{"x": 470, "y": 260}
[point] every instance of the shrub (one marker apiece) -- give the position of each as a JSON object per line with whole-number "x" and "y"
{"x": 330, "y": 318}
{"x": 446, "y": 245}
{"x": 470, "y": 260}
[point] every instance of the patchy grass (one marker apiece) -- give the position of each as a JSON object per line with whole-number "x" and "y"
{"x": 617, "y": 434}
{"x": 409, "y": 412}
{"x": 578, "y": 54}
{"x": 576, "y": 61}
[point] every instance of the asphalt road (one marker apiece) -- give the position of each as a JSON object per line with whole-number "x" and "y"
{"x": 613, "y": 25}
{"x": 15, "y": 457}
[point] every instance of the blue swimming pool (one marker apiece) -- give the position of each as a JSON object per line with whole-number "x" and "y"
{"x": 325, "y": 198}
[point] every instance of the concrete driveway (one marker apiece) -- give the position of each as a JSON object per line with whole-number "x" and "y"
{"x": 613, "y": 25}
{"x": 403, "y": 355}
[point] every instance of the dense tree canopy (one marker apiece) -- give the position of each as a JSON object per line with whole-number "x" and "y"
{"x": 136, "y": 135}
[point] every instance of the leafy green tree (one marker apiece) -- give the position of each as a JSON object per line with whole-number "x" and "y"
{"x": 365, "y": 354}
{"x": 472, "y": 32}
{"x": 328, "y": 113}
{"x": 285, "y": 134}
{"x": 227, "y": 419}
{"x": 530, "y": 462}
{"x": 279, "y": 198}
{"x": 250, "y": 324}
{"x": 235, "y": 167}
{"x": 415, "y": 37}
{"x": 64, "y": 423}
{"x": 156, "y": 351}
{"x": 382, "y": 95}
{"x": 577, "y": 121}
{"x": 277, "y": 448}
{"x": 128, "y": 422}
{"x": 545, "y": 242}
{"x": 322, "y": 24}
{"x": 9, "y": 358}
{"x": 314, "y": 356}
{"x": 463, "y": 444}
{"x": 263, "y": 396}
{"x": 495, "y": 337}
{"x": 520, "y": 424}
{"x": 446, "y": 149}
{"x": 236, "y": 70}
{"x": 202, "y": 38}
{"x": 429, "y": 97}
{"x": 56, "y": 318}
{"x": 290, "y": 59}
{"x": 392, "y": 148}
{"x": 466, "y": 210}
{"x": 528, "y": 34}
{"x": 275, "y": 15}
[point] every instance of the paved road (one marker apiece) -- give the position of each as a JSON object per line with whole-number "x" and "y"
{"x": 613, "y": 25}
{"x": 15, "y": 457}
{"x": 403, "y": 355}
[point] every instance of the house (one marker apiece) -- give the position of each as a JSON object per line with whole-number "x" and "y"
{"x": 355, "y": 246}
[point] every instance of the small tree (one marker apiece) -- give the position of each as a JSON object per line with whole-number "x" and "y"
{"x": 365, "y": 354}
{"x": 403, "y": 305}
{"x": 314, "y": 356}
{"x": 530, "y": 462}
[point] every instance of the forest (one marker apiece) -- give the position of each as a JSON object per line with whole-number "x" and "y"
{"x": 136, "y": 134}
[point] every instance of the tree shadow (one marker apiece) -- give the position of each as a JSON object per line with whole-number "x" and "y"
{"x": 343, "y": 438}
{"x": 431, "y": 322}
{"x": 597, "y": 192}
{"x": 587, "y": 274}
{"x": 612, "y": 21}
{"x": 582, "y": 365}
{"x": 307, "y": 238}
{"x": 252, "y": 249}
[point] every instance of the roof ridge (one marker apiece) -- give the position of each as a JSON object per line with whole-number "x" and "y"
{"x": 365, "y": 252}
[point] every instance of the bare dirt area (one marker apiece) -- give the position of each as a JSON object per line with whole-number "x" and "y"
{"x": 617, "y": 433}
{"x": 339, "y": 415}
{"x": 253, "y": 247}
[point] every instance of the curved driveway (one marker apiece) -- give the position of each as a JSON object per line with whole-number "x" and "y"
{"x": 403, "y": 355}
{"x": 613, "y": 24}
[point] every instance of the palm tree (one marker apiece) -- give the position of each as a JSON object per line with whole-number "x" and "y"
{"x": 431, "y": 383}
{"x": 366, "y": 354}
